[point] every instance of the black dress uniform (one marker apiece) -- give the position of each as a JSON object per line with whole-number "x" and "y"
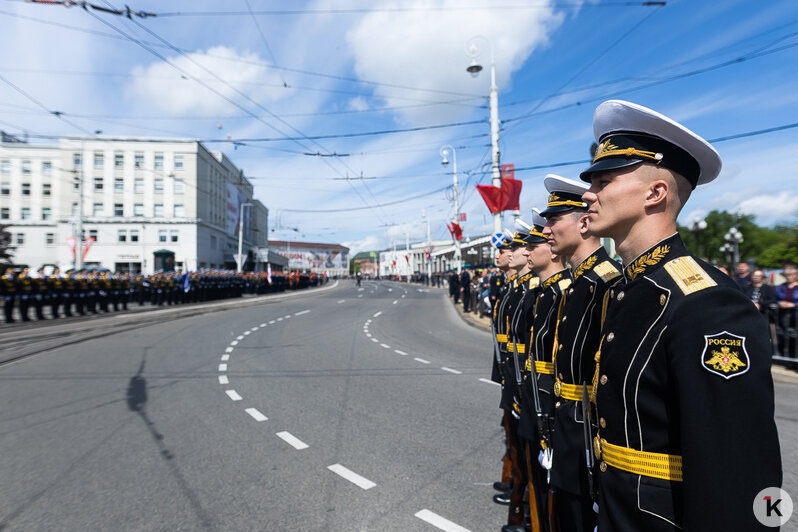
{"x": 578, "y": 335}
{"x": 543, "y": 322}
{"x": 685, "y": 399}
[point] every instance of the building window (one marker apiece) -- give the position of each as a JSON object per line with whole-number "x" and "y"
{"x": 26, "y": 189}
{"x": 119, "y": 184}
{"x": 138, "y": 185}
{"x": 98, "y": 184}
{"x": 213, "y": 242}
{"x": 178, "y": 162}
{"x": 25, "y": 213}
{"x": 5, "y": 167}
{"x": 119, "y": 161}
{"x": 158, "y": 210}
{"x": 134, "y": 235}
{"x": 138, "y": 209}
{"x": 161, "y": 235}
{"x": 76, "y": 183}
{"x": 74, "y": 209}
{"x": 5, "y": 189}
{"x": 173, "y": 235}
{"x": 97, "y": 210}
{"x": 47, "y": 168}
{"x": 20, "y": 238}
{"x": 179, "y": 186}
{"x": 121, "y": 236}
{"x": 158, "y": 162}
{"x": 99, "y": 159}
{"x": 158, "y": 185}
{"x": 138, "y": 160}
{"x": 47, "y": 213}
{"x": 76, "y": 160}
{"x": 180, "y": 211}
{"x": 5, "y": 213}
{"x": 26, "y": 167}
{"x": 49, "y": 239}
{"x": 119, "y": 209}
{"x": 93, "y": 234}
{"x": 47, "y": 189}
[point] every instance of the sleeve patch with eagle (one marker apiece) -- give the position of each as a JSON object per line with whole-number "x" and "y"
{"x": 725, "y": 355}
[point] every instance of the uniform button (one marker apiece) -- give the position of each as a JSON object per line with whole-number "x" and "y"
{"x": 603, "y": 467}
{"x": 591, "y": 288}
{"x": 536, "y": 315}
{"x": 564, "y": 318}
{"x": 557, "y": 404}
{"x": 620, "y": 296}
{"x": 561, "y": 377}
{"x": 603, "y": 423}
{"x": 570, "y": 291}
{"x": 559, "y": 348}
{"x": 612, "y": 293}
{"x": 610, "y": 336}
{"x": 604, "y": 379}
{"x": 662, "y": 299}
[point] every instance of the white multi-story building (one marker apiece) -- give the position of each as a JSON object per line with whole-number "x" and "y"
{"x": 141, "y": 198}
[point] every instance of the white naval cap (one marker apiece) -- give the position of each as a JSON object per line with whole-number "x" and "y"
{"x": 564, "y": 194}
{"x": 629, "y": 133}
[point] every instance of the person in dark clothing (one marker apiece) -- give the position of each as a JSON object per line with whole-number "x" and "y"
{"x": 465, "y": 289}
{"x": 454, "y": 287}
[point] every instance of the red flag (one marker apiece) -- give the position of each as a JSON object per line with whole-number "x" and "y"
{"x": 508, "y": 171}
{"x": 492, "y": 197}
{"x": 458, "y": 231}
{"x": 407, "y": 258}
{"x": 511, "y": 192}
{"x": 451, "y": 233}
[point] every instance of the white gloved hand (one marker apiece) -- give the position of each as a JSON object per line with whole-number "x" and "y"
{"x": 545, "y": 458}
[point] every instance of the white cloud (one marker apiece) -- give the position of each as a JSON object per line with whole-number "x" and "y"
{"x": 770, "y": 208}
{"x": 358, "y": 103}
{"x": 426, "y": 49}
{"x": 164, "y": 88}
{"x": 368, "y": 243}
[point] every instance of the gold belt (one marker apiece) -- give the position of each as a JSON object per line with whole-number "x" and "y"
{"x": 571, "y": 392}
{"x": 501, "y": 338}
{"x": 519, "y": 348}
{"x": 657, "y": 465}
{"x": 544, "y": 367}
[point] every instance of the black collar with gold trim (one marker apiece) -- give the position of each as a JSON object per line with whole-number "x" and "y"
{"x": 588, "y": 264}
{"x": 559, "y": 276}
{"x": 653, "y": 258}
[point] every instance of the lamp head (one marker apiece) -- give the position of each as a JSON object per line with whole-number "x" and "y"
{"x": 474, "y": 68}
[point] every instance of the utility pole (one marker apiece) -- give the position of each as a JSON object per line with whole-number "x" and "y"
{"x": 458, "y": 257}
{"x": 407, "y": 255}
{"x": 79, "y": 239}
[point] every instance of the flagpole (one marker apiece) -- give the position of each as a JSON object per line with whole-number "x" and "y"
{"x": 457, "y": 249}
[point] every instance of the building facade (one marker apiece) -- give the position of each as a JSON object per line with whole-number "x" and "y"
{"x": 133, "y": 197}
{"x": 314, "y": 257}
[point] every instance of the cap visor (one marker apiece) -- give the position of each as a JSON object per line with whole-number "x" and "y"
{"x": 605, "y": 165}
{"x": 560, "y": 208}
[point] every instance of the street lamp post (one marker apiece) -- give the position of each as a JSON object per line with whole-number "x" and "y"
{"x": 472, "y": 50}
{"x": 445, "y": 155}
{"x": 734, "y": 238}
{"x": 697, "y": 226}
{"x": 240, "y": 261}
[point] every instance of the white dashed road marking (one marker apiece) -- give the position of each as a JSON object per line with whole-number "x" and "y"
{"x": 232, "y": 394}
{"x": 263, "y": 325}
{"x": 288, "y": 317}
{"x": 421, "y": 360}
{"x": 341, "y": 300}
{"x": 234, "y": 342}
{"x": 279, "y": 319}
{"x": 254, "y": 329}
{"x": 386, "y": 346}
{"x": 395, "y": 301}
{"x": 439, "y": 522}
{"x": 361, "y": 295}
{"x": 247, "y": 333}
{"x": 225, "y": 358}
{"x": 239, "y": 338}
{"x": 228, "y": 350}
{"x": 271, "y": 321}
{"x": 368, "y": 334}
{"x": 222, "y": 367}
{"x": 489, "y": 382}
{"x": 374, "y": 340}
{"x": 292, "y": 440}
{"x": 300, "y": 313}
{"x": 223, "y": 379}
{"x": 256, "y": 415}
{"x": 377, "y": 314}
{"x": 400, "y": 352}
{"x": 351, "y": 476}
{"x": 450, "y": 370}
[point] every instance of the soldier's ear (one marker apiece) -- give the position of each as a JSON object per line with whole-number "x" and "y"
{"x": 657, "y": 193}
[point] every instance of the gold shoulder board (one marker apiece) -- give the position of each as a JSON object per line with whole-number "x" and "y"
{"x": 534, "y": 282}
{"x": 688, "y": 275}
{"x": 564, "y": 284}
{"x": 607, "y": 271}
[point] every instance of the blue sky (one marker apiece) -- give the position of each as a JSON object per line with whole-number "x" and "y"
{"x": 269, "y": 70}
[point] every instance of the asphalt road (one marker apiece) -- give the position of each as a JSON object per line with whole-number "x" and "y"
{"x": 337, "y": 409}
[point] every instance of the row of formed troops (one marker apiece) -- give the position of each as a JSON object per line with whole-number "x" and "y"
{"x": 636, "y": 396}
{"x": 89, "y": 292}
